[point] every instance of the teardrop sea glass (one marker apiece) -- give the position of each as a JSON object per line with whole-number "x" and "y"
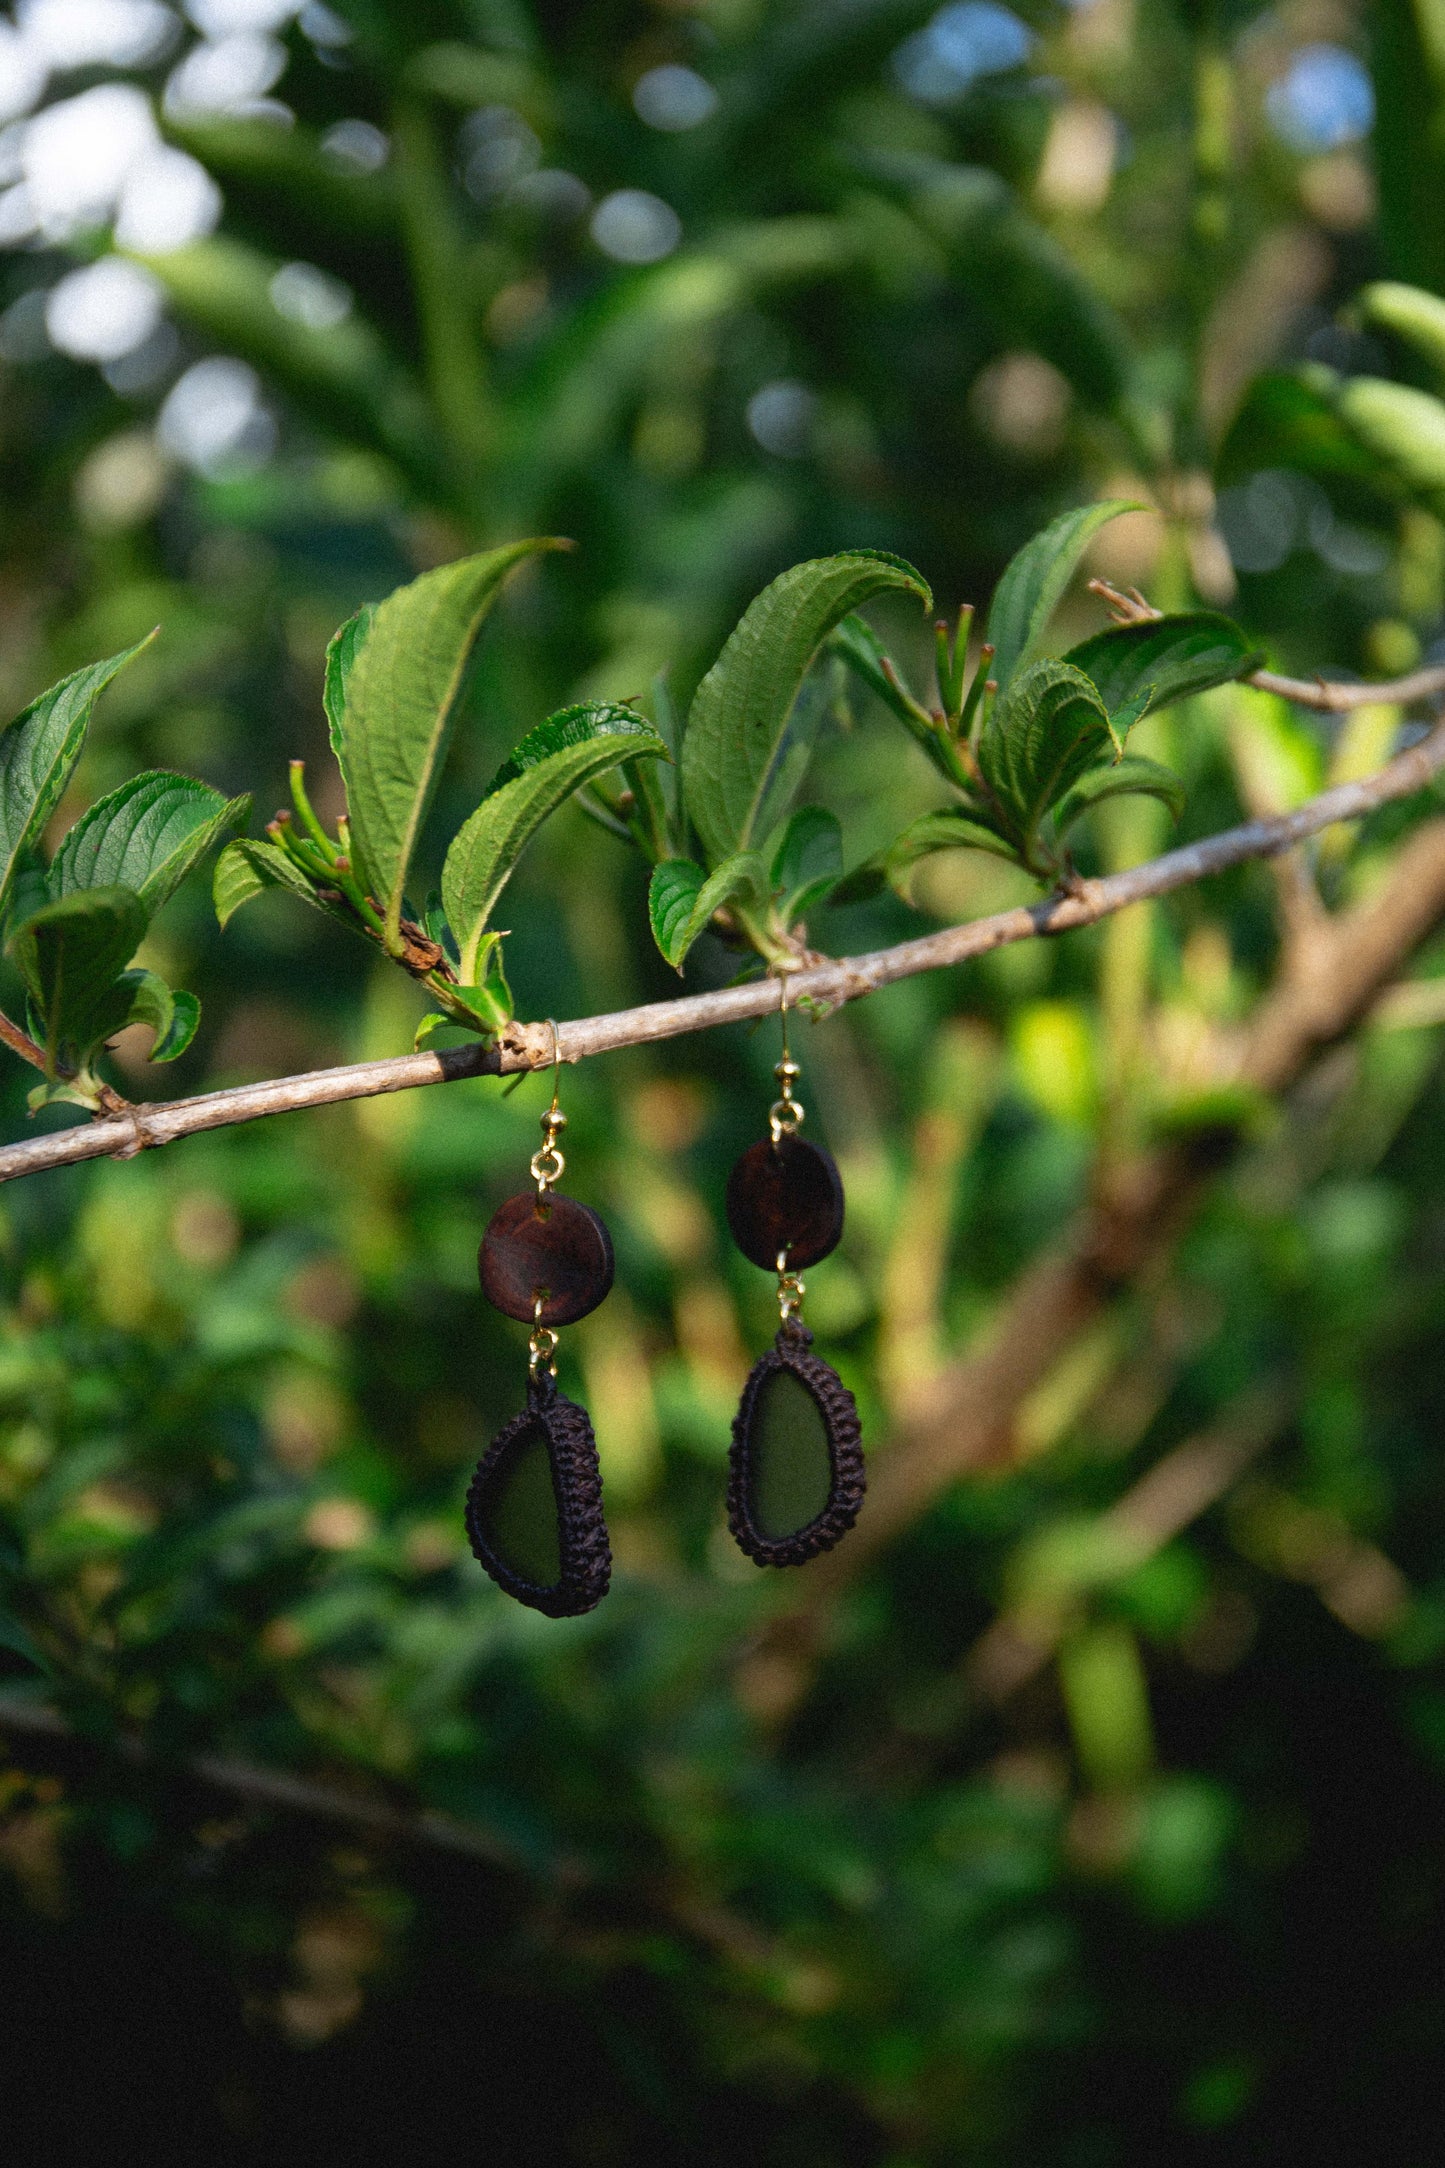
{"x": 790, "y": 1470}
{"x": 795, "y": 1466}
{"x": 516, "y": 1511}
{"x": 534, "y": 1509}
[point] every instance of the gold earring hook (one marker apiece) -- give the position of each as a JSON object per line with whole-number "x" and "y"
{"x": 542, "y": 1347}
{"x": 548, "y": 1165}
{"x": 785, "y": 1115}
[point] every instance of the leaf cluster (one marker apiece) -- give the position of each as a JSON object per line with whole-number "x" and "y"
{"x": 72, "y": 927}
{"x": 1365, "y": 430}
{"x": 396, "y": 675}
{"x": 1028, "y": 747}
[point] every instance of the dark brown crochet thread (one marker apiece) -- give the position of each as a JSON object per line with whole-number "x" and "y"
{"x": 586, "y": 1556}
{"x": 839, "y": 1411}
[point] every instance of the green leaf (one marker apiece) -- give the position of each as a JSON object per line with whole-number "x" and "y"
{"x": 485, "y": 1005}
{"x": 482, "y": 856}
{"x": 70, "y": 954}
{"x": 738, "y": 725}
{"x": 808, "y": 863}
{"x": 577, "y": 725}
{"x": 1123, "y": 719}
{"x": 1133, "y": 776}
{"x": 943, "y": 830}
{"x": 341, "y": 656}
{"x": 1416, "y": 317}
{"x": 401, "y": 696}
{"x": 433, "y": 1022}
{"x": 1407, "y": 155}
{"x": 287, "y": 166}
{"x": 185, "y": 1022}
{"x": 1033, "y": 585}
{"x": 247, "y": 866}
{"x": 143, "y": 997}
{"x": 1402, "y": 427}
{"x": 864, "y": 653}
{"x": 682, "y": 898}
{"x": 1170, "y": 658}
{"x": 1017, "y": 278}
{"x": 1289, "y": 419}
{"x": 344, "y": 378}
{"x": 1040, "y": 737}
{"x": 146, "y": 835}
{"x": 38, "y": 753}
{"x": 14, "y": 1637}
{"x": 434, "y": 920}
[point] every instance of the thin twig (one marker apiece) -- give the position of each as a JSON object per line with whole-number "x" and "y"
{"x": 256, "y": 1786}
{"x": 827, "y": 985}
{"x": 1333, "y": 698}
{"x": 20, "y": 1042}
{"x": 1128, "y": 607}
{"x": 555, "y": 1875}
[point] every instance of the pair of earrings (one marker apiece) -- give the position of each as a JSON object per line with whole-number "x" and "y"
{"x": 795, "y": 1466}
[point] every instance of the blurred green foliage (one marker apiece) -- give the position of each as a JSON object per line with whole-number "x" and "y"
{"x": 1175, "y": 1895}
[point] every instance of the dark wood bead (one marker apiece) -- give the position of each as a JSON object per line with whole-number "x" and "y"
{"x": 785, "y": 1196}
{"x": 559, "y": 1249}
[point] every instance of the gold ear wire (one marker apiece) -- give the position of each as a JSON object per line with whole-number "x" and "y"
{"x": 548, "y": 1165}
{"x": 785, "y": 1114}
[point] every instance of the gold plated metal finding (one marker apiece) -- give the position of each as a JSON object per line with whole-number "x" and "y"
{"x": 542, "y": 1347}
{"x": 791, "y": 1290}
{"x": 549, "y": 1164}
{"x": 785, "y": 1116}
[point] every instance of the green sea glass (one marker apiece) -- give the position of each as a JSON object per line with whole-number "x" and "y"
{"x": 518, "y": 1511}
{"x": 790, "y": 1467}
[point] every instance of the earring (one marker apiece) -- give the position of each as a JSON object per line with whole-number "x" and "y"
{"x": 795, "y": 1466}
{"x": 534, "y": 1508}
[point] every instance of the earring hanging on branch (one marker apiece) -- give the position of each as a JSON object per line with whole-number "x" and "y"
{"x": 795, "y": 1466}
{"x": 534, "y": 1508}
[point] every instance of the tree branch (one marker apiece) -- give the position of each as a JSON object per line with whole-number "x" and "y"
{"x": 1332, "y": 697}
{"x": 20, "y": 1042}
{"x": 828, "y": 985}
{"x": 282, "y": 1790}
{"x": 1329, "y": 697}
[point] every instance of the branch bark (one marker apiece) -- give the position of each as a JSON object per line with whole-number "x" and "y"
{"x": 1328, "y": 696}
{"x": 282, "y": 1791}
{"x": 827, "y": 985}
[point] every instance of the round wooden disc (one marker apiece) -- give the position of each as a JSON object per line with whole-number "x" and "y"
{"x": 785, "y": 1196}
{"x": 560, "y": 1250}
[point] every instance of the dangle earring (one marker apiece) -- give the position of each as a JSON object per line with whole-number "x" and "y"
{"x": 795, "y": 1466}
{"x": 534, "y": 1509}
